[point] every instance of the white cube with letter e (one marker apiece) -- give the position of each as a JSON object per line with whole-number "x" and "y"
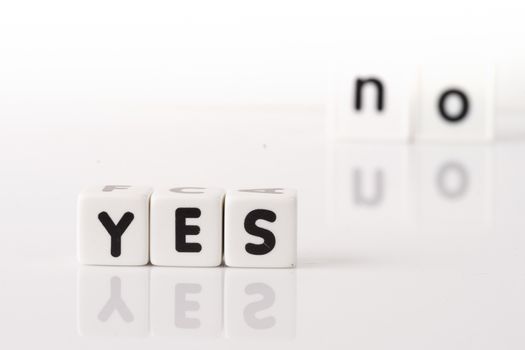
{"x": 373, "y": 104}
{"x": 113, "y": 225}
{"x": 456, "y": 102}
{"x": 260, "y": 228}
{"x": 186, "y": 226}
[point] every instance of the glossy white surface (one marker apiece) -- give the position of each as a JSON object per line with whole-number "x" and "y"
{"x": 418, "y": 269}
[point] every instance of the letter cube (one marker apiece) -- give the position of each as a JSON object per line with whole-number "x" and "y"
{"x": 456, "y": 102}
{"x": 113, "y": 225}
{"x": 186, "y": 226}
{"x": 373, "y": 103}
{"x": 260, "y": 228}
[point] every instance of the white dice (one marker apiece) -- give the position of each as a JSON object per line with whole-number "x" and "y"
{"x": 260, "y": 228}
{"x": 113, "y": 225}
{"x": 186, "y": 226}
{"x": 439, "y": 101}
{"x": 373, "y": 103}
{"x": 456, "y": 103}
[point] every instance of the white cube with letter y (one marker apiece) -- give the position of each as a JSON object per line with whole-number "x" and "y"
{"x": 113, "y": 225}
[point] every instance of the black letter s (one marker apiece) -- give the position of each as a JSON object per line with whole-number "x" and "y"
{"x": 267, "y": 236}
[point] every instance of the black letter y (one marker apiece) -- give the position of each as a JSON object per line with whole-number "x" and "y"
{"x": 115, "y": 231}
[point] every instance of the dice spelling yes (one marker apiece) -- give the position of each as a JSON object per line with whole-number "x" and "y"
{"x": 186, "y": 227}
{"x": 113, "y": 225}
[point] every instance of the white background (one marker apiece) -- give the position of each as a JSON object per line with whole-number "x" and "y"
{"x": 124, "y": 92}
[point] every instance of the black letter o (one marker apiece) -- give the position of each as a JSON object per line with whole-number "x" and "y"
{"x": 464, "y": 102}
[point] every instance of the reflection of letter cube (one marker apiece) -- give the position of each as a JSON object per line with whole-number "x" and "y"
{"x": 186, "y": 302}
{"x": 456, "y": 102}
{"x": 455, "y": 188}
{"x": 373, "y": 104}
{"x": 186, "y": 227}
{"x": 113, "y": 301}
{"x": 371, "y": 187}
{"x": 260, "y": 303}
{"x": 260, "y": 228}
{"x": 113, "y": 225}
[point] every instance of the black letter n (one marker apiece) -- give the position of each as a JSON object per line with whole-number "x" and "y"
{"x": 359, "y": 85}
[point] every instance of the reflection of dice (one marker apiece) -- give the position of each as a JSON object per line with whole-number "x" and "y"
{"x": 113, "y": 301}
{"x": 260, "y": 228}
{"x": 260, "y": 303}
{"x": 186, "y": 302}
{"x": 186, "y": 227}
{"x": 455, "y": 188}
{"x": 113, "y": 225}
{"x": 371, "y": 187}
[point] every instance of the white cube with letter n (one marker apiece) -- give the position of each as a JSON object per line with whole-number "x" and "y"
{"x": 373, "y": 103}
